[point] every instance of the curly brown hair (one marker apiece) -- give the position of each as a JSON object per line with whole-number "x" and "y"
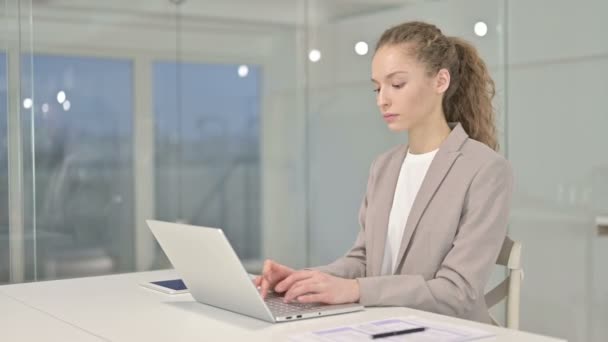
{"x": 468, "y": 99}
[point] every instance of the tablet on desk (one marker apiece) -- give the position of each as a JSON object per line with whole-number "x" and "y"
{"x": 171, "y": 286}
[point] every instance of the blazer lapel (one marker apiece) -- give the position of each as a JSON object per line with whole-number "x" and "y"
{"x": 439, "y": 168}
{"x": 385, "y": 203}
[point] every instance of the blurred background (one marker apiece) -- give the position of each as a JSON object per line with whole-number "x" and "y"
{"x": 259, "y": 117}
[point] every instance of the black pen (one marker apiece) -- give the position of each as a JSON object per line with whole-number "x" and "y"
{"x": 398, "y": 332}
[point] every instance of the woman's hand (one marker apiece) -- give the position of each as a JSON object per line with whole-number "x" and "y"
{"x": 317, "y": 287}
{"x": 272, "y": 274}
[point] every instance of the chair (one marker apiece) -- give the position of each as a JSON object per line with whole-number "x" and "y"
{"x": 509, "y": 288}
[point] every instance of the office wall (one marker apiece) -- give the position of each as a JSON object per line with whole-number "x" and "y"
{"x": 558, "y": 59}
{"x": 284, "y": 158}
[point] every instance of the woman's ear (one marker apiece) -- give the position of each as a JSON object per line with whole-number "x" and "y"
{"x": 442, "y": 81}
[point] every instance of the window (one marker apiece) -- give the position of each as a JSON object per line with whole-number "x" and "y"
{"x": 207, "y": 149}
{"x": 83, "y": 110}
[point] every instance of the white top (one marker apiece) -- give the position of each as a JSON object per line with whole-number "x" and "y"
{"x": 410, "y": 179}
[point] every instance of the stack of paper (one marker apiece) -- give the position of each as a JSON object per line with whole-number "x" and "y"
{"x": 435, "y": 331}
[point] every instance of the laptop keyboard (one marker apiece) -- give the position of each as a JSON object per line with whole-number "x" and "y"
{"x": 278, "y": 308}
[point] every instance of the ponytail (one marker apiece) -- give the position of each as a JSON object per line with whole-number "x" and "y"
{"x": 468, "y": 99}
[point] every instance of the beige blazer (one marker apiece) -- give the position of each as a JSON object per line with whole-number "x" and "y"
{"x": 452, "y": 237}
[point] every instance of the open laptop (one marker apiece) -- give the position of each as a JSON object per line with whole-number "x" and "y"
{"x": 214, "y": 275}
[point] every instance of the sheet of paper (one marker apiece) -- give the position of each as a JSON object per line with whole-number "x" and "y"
{"x": 436, "y": 331}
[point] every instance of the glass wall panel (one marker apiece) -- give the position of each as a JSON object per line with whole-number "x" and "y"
{"x": 208, "y": 148}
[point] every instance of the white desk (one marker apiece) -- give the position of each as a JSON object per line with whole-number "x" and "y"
{"x": 116, "y": 308}
{"x": 19, "y": 322}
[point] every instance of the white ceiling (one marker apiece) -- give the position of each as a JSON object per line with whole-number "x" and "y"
{"x": 282, "y": 12}
{"x": 116, "y": 24}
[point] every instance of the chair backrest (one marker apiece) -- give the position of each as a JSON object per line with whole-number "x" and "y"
{"x": 509, "y": 288}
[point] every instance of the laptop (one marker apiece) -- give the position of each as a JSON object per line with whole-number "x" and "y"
{"x": 211, "y": 270}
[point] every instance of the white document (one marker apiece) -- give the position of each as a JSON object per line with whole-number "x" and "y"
{"x": 435, "y": 331}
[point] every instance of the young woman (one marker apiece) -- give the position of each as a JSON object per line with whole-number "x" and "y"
{"x": 435, "y": 212}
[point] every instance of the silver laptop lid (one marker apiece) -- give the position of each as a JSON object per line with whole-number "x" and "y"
{"x": 210, "y": 268}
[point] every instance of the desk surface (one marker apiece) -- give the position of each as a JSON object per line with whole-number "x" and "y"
{"x": 21, "y": 322}
{"x": 116, "y": 308}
